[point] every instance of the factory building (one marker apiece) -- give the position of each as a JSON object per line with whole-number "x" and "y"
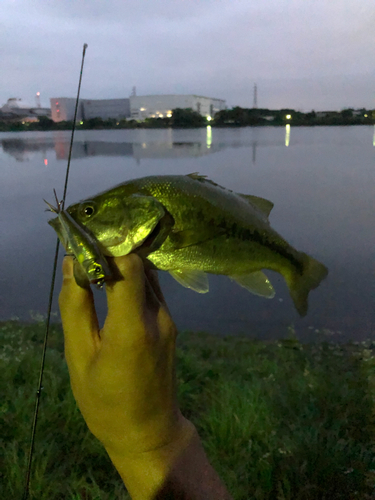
{"x": 136, "y": 107}
{"x": 105, "y": 108}
{"x": 62, "y": 109}
{"x": 155, "y": 106}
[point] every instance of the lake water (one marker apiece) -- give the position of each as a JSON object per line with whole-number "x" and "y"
{"x": 321, "y": 180}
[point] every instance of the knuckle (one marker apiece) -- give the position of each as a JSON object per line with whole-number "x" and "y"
{"x": 130, "y": 265}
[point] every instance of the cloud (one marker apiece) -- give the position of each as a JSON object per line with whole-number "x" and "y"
{"x": 213, "y": 47}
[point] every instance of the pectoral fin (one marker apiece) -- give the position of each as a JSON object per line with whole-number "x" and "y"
{"x": 183, "y": 239}
{"x": 189, "y": 237}
{"x": 196, "y": 280}
{"x": 257, "y": 283}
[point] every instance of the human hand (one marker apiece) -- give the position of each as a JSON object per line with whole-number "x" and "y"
{"x": 122, "y": 376}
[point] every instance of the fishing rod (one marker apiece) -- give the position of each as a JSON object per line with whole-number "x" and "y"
{"x": 52, "y": 287}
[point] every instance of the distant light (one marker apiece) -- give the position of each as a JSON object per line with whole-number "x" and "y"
{"x": 288, "y": 117}
{"x": 365, "y": 116}
{"x": 45, "y": 161}
{"x": 117, "y": 123}
{"x": 169, "y": 115}
{"x": 142, "y": 109}
{"x": 161, "y": 115}
{"x": 57, "y": 111}
{"x": 38, "y": 93}
{"x": 57, "y": 104}
{"x": 209, "y": 118}
{"x": 81, "y": 122}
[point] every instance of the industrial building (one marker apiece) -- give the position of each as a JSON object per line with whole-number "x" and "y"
{"x": 17, "y": 110}
{"x": 159, "y": 106}
{"x": 136, "y": 107}
{"x": 62, "y": 109}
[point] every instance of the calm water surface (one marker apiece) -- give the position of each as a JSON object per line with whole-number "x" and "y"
{"x": 321, "y": 180}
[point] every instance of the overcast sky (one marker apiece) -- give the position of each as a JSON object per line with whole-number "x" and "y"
{"x": 303, "y": 54}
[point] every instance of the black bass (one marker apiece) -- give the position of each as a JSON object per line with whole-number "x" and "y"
{"x": 190, "y": 226}
{"x": 77, "y": 241}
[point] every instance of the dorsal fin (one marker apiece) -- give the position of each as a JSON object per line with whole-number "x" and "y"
{"x": 197, "y": 176}
{"x": 203, "y": 178}
{"x": 265, "y": 206}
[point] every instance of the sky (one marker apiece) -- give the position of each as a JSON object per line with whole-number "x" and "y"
{"x": 302, "y": 54}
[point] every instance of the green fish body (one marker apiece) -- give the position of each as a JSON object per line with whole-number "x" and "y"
{"x": 190, "y": 226}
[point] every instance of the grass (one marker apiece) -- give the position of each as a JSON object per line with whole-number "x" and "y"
{"x": 279, "y": 420}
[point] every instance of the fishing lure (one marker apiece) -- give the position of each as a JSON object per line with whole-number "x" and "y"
{"x": 77, "y": 241}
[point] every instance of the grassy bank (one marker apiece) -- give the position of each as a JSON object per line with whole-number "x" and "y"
{"x": 279, "y": 420}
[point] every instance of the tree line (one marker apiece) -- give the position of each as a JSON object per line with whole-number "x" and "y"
{"x": 188, "y": 118}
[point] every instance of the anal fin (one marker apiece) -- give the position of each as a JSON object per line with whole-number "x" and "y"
{"x": 256, "y": 283}
{"x": 196, "y": 280}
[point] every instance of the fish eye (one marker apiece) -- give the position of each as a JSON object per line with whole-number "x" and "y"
{"x": 89, "y": 210}
{"x": 98, "y": 269}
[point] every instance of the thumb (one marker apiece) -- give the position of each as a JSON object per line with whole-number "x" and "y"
{"x": 79, "y": 320}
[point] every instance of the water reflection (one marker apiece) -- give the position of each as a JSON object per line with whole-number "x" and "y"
{"x": 167, "y": 144}
{"x": 209, "y": 136}
{"x": 22, "y": 149}
{"x": 254, "y": 149}
{"x": 287, "y": 134}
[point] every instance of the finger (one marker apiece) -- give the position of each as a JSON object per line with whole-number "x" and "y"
{"x": 79, "y": 320}
{"x": 153, "y": 279}
{"x": 126, "y": 300}
{"x": 166, "y": 325}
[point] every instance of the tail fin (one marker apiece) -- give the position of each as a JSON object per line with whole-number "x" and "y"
{"x": 301, "y": 284}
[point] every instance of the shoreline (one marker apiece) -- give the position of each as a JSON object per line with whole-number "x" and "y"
{"x": 263, "y": 411}
{"x": 30, "y": 127}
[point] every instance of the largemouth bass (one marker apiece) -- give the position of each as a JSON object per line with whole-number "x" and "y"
{"x": 189, "y": 226}
{"x": 78, "y": 242}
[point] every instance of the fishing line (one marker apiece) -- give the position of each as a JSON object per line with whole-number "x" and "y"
{"x": 40, "y": 387}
